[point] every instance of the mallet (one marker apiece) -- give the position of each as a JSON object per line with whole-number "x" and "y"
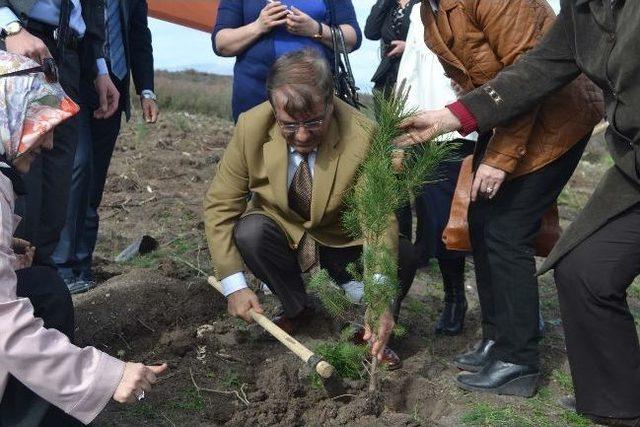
{"x": 324, "y": 369}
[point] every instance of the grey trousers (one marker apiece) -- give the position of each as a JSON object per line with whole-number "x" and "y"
{"x": 266, "y": 252}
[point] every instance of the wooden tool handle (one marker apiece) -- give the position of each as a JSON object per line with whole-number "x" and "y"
{"x": 324, "y": 369}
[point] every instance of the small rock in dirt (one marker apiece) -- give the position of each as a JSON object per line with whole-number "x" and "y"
{"x": 179, "y": 341}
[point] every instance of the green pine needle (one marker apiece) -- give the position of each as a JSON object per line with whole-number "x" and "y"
{"x": 331, "y": 296}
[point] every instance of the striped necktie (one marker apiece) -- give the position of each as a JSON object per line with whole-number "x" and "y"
{"x": 117, "y": 57}
{"x": 300, "y": 193}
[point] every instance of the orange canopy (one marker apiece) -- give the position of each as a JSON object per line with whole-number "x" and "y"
{"x": 198, "y": 14}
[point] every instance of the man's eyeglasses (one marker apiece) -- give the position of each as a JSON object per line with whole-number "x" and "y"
{"x": 310, "y": 125}
{"x": 48, "y": 68}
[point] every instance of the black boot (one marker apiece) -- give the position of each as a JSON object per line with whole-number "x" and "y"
{"x": 502, "y": 378}
{"x": 451, "y": 320}
{"x": 476, "y": 359}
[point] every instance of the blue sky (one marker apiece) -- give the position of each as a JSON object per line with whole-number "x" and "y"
{"x": 178, "y": 48}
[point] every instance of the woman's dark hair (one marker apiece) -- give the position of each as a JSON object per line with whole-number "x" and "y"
{"x": 304, "y": 78}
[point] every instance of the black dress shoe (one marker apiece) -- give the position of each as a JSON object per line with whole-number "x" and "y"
{"x": 476, "y": 359}
{"x": 502, "y": 378}
{"x": 451, "y": 320}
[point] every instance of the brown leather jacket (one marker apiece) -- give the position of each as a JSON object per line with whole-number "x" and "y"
{"x": 475, "y": 40}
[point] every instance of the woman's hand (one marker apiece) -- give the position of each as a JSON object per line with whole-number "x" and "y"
{"x": 427, "y": 125}
{"x": 301, "y": 24}
{"x": 396, "y": 48}
{"x": 136, "y": 381}
{"x": 272, "y": 15}
{"x": 24, "y": 253}
{"x": 487, "y": 181}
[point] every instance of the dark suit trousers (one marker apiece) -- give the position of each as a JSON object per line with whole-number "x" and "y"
{"x": 264, "y": 248}
{"x": 600, "y": 333}
{"x": 97, "y": 139}
{"x": 503, "y": 232}
{"x": 43, "y": 209}
{"x": 20, "y": 407}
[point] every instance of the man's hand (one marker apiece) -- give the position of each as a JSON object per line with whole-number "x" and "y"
{"x": 272, "y": 15}
{"x": 137, "y": 378}
{"x": 241, "y": 302}
{"x": 149, "y": 109}
{"x": 26, "y": 44}
{"x": 108, "y": 95}
{"x": 24, "y": 253}
{"x": 379, "y": 341}
{"x": 427, "y": 125}
{"x": 397, "y": 48}
{"x": 487, "y": 181}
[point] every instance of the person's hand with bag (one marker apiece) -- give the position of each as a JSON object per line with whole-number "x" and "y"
{"x": 396, "y": 48}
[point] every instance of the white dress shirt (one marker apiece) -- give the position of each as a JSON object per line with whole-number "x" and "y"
{"x": 237, "y": 281}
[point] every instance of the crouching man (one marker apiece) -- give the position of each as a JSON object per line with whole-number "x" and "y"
{"x": 296, "y": 156}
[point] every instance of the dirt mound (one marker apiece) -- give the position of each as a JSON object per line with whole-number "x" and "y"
{"x": 131, "y": 312}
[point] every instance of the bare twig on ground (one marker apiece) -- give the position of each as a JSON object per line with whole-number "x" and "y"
{"x": 241, "y": 395}
{"x": 124, "y": 341}
{"x": 145, "y": 325}
{"x": 343, "y": 395}
{"x": 228, "y": 357}
{"x": 188, "y": 264}
{"x": 144, "y": 202}
{"x": 167, "y": 418}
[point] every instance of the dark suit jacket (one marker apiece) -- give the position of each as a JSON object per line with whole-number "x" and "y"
{"x": 93, "y": 42}
{"x": 137, "y": 45}
{"x": 587, "y": 37}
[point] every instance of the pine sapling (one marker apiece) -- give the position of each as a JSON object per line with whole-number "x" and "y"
{"x": 386, "y": 180}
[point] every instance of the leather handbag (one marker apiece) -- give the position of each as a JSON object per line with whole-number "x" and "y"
{"x": 456, "y": 233}
{"x": 343, "y": 81}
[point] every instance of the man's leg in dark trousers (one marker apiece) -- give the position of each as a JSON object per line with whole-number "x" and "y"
{"x": 48, "y": 182}
{"x": 104, "y": 134}
{"x": 52, "y": 303}
{"x": 600, "y": 333}
{"x": 511, "y": 223}
{"x": 266, "y": 252}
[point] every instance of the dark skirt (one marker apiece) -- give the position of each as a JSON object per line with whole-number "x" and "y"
{"x": 432, "y": 207}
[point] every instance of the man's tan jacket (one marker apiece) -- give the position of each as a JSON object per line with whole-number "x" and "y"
{"x": 256, "y": 163}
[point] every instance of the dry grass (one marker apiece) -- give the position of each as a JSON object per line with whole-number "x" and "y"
{"x": 194, "y": 92}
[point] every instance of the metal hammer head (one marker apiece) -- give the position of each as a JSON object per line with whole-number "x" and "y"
{"x": 330, "y": 381}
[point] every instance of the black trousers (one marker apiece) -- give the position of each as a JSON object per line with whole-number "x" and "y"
{"x": 503, "y": 232}
{"x": 266, "y": 252}
{"x": 600, "y": 333}
{"x": 44, "y": 208}
{"x": 20, "y": 407}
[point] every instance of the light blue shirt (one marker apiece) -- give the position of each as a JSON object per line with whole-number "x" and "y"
{"x": 48, "y": 12}
{"x": 237, "y": 281}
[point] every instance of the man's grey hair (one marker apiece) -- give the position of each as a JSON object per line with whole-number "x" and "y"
{"x": 303, "y": 78}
